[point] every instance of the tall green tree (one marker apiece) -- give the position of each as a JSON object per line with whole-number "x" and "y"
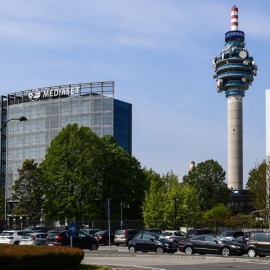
{"x": 258, "y": 184}
{"x": 153, "y": 206}
{"x": 71, "y": 173}
{"x": 123, "y": 181}
{"x": 81, "y": 171}
{"x": 209, "y": 180}
{"x": 169, "y": 203}
{"x": 27, "y": 191}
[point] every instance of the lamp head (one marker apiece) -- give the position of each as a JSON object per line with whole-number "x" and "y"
{"x": 23, "y": 118}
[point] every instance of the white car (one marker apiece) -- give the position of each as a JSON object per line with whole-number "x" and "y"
{"x": 10, "y": 237}
{"x": 36, "y": 238}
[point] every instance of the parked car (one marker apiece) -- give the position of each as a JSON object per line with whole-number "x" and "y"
{"x": 258, "y": 244}
{"x": 12, "y": 236}
{"x": 174, "y": 236}
{"x": 124, "y": 236}
{"x": 209, "y": 244}
{"x": 147, "y": 241}
{"x": 232, "y": 235}
{"x": 103, "y": 237}
{"x": 36, "y": 229}
{"x": 194, "y": 232}
{"x": 245, "y": 238}
{"x": 80, "y": 240}
{"x": 90, "y": 231}
{"x": 35, "y": 238}
{"x": 153, "y": 230}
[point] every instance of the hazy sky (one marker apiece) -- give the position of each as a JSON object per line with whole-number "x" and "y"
{"x": 159, "y": 53}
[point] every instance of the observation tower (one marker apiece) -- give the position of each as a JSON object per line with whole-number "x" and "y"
{"x": 234, "y": 72}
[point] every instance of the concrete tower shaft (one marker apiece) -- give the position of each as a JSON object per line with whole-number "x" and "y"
{"x": 235, "y": 142}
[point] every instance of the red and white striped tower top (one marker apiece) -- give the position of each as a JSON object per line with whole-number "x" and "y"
{"x": 234, "y": 18}
{"x": 191, "y": 165}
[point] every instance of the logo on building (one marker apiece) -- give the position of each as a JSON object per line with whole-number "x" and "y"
{"x": 36, "y": 94}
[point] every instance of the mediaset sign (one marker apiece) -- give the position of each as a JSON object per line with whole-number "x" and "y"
{"x": 234, "y": 34}
{"x": 38, "y": 93}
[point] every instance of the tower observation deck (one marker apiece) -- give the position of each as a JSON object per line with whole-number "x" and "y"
{"x": 234, "y": 72}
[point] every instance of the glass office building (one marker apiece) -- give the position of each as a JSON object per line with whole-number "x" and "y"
{"x": 50, "y": 109}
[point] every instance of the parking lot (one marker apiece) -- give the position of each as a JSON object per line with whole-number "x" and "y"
{"x": 120, "y": 257}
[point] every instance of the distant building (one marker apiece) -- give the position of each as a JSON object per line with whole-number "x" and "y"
{"x": 50, "y": 109}
{"x": 242, "y": 200}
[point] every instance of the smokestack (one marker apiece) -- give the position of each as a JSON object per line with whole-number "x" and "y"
{"x": 191, "y": 165}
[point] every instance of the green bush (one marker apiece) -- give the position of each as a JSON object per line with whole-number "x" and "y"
{"x": 39, "y": 257}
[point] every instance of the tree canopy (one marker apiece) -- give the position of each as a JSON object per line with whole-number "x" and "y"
{"x": 27, "y": 191}
{"x": 258, "y": 184}
{"x": 81, "y": 170}
{"x": 209, "y": 180}
{"x": 169, "y": 203}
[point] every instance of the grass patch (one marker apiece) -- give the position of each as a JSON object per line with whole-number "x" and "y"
{"x": 93, "y": 267}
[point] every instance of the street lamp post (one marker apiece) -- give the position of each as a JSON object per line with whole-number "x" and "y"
{"x": 121, "y": 222}
{"x": 22, "y": 118}
{"x": 175, "y": 199}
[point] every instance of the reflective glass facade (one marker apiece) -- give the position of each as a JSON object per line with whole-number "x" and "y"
{"x": 123, "y": 124}
{"x": 48, "y": 110}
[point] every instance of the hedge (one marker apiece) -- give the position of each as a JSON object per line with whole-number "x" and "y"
{"x": 39, "y": 257}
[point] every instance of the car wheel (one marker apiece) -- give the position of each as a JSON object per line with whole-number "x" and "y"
{"x": 226, "y": 252}
{"x": 159, "y": 250}
{"x": 117, "y": 245}
{"x": 132, "y": 249}
{"x": 107, "y": 242}
{"x": 16, "y": 243}
{"x": 251, "y": 253}
{"x": 94, "y": 247}
{"x": 188, "y": 250}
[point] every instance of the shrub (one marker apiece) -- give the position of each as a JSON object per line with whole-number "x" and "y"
{"x": 39, "y": 257}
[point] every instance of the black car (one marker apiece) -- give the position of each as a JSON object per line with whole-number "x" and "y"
{"x": 151, "y": 242}
{"x": 194, "y": 232}
{"x": 103, "y": 237}
{"x": 232, "y": 235}
{"x": 209, "y": 244}
{"x": 36, "y": 229}
{"x": 80, "y": 240}
{"x": 153, "y": 230}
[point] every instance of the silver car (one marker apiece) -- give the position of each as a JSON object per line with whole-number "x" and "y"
{"x": 38, "y": 238}
{"x": 174, "y": 236}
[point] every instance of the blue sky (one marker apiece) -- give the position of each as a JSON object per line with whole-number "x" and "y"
{"x": 159, "y": 53}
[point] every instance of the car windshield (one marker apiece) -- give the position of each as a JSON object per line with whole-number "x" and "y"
{"x": 167, "y": 233}
{"x": 227, "y": 234}
{"x": 27, "y": 236}
{"x": 119, "y": 232}
{"x": 102, "y": 232}
{"x": 160, "y": 236}
{"x": 223, "y": 239}
{"x": 6, "y": 233}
